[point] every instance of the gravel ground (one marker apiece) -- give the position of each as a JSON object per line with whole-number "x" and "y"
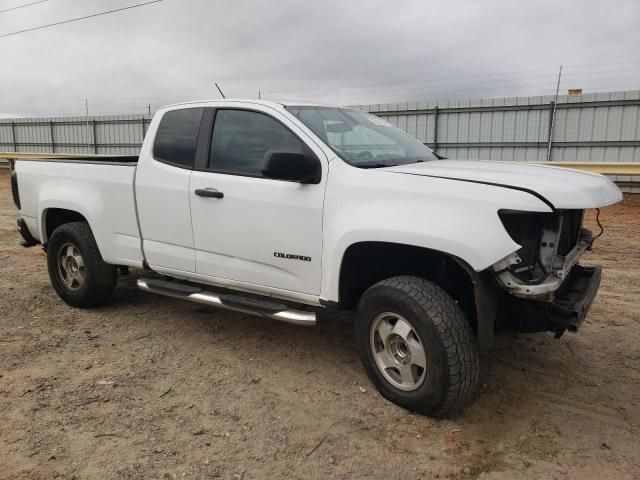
{"x": 148, "y": 387}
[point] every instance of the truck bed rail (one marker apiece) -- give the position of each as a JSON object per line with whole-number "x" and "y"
{"x": 64, "y": 156}
{"x": 70, "y": 157}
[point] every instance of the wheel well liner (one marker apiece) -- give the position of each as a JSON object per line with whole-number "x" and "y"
{"x": 55, "y": 217}
{"x": 367, "y": 263}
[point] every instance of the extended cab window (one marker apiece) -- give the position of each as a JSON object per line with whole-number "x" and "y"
{"x": 242, "y": 137}
{"x": 177, "y": 137}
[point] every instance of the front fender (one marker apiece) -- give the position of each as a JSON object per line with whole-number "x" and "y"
{"x": 457, "y": 218}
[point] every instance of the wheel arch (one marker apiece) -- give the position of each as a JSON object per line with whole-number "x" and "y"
{"x": 369, "y": 262}
{"x": 54, "y": 217}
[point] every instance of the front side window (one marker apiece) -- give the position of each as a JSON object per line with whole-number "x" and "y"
{"x": 362, "y": 139}
{"x": 177, "y": 137}
{"x": 242, "y": 137}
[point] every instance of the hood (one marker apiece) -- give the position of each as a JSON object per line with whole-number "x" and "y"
{"x": 561, "y": 187}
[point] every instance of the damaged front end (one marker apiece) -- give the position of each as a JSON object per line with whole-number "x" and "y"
{"x": 542, "y": 286}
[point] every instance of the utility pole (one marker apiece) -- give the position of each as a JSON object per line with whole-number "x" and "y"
{"x": 149, "y": 109}
{"x": 259, "y": 94}
{"x": 86, "y": 110}
{"x": 553, "y": 116}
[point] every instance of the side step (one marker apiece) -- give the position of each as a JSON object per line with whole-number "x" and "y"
{"x": 235, "y": 302}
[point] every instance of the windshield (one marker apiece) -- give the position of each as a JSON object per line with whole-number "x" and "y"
{"x": 362, "y": 139}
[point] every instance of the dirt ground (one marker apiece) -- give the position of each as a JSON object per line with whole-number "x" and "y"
{"x": 149, "y": 387}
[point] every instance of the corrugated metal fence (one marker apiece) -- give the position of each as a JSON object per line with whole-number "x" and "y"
{"x": 111, "y": 135}
{"x": 599, "y": 127}
{"x": 595, "y": 127}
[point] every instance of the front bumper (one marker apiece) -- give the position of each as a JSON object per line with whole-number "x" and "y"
{"x": 567, "y": 311}
{"x": 572, "y": 303}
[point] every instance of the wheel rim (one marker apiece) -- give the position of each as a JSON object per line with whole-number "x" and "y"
{"x": 70, "y": 267}
{"x": 398, "y": 351}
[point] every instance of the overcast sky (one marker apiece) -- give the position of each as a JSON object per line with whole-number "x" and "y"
{"x": 337, "y": 51}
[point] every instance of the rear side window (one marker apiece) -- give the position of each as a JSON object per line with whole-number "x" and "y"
{"x": 242, "y": 137}
{"x": 177, "y": 137}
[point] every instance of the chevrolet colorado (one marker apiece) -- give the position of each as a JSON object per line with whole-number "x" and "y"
{"x": 281, "y": 210}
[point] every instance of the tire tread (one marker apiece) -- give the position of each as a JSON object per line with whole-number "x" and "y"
{"x": 456, "y": 335}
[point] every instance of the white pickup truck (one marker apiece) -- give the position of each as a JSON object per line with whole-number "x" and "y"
{"x": 282, "y": 210}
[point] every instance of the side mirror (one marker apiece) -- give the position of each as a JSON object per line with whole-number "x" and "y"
{"x": 291, "y": 166}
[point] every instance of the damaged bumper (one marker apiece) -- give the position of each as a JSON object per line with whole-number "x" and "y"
{"x": 566, "y": 311}
{"x": 572, "y": 303}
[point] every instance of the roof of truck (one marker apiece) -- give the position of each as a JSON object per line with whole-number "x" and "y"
{"x": 269, "y": 103}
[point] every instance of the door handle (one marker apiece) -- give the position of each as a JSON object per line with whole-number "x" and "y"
{"x": 209, "y": 192}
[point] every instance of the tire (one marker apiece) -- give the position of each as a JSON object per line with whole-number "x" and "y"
{"x": 417, "y": 313}
{"x": 78, "y": 274}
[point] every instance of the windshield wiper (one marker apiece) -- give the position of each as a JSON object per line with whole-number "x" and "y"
{"x": 375, "y": 165}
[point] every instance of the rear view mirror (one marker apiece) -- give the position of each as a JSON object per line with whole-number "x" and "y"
{"x": 291, "y": 166}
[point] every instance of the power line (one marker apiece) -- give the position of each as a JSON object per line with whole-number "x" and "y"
{"x": 446, "y": 80}
{"x": 22, "y": 6}
{"x": 80, "y": 18}
{"x": 590, "y": 80}
{"x": 105, "y": 105}
{"x": 466, "y": 87}
{"x": 427, "y": 80}
{"x": 600, "y": 80}
{"x": 436, "y": 92}
{"x": 140, "y": 108}
{"x": 599, "y": 64}
{"x": 495, "y": 85}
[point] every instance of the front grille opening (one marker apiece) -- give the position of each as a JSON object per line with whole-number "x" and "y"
{"x": 526, "y": 229}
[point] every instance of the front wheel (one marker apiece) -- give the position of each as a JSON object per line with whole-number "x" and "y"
{"x": 77, "y": 271}
{"x": 416, "y": 346}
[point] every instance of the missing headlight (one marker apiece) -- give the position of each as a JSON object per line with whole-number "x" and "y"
{"x": 542, "y": 236}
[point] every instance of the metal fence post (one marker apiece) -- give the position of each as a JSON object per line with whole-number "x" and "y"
{"x": 13, "y": 136}
{"x": 435, "y": 128}
{"x": 53, "y": 141}
{"x": 95, "y": 138}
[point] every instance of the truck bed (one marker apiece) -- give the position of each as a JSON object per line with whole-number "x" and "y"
{"x": 101, "y": 188}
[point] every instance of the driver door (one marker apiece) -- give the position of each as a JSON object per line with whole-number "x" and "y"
{"x": 262, "y": 233}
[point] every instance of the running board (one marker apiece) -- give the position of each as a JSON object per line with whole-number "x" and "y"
{"x": 235, "y": 302}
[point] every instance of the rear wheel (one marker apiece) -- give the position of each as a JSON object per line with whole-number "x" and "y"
{"x": 416, "y": 345}
{"x": 77, "y": 271}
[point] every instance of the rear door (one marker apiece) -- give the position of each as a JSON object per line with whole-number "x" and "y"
{"x": 162, "y": 191}
{"x": 259, "y": 232}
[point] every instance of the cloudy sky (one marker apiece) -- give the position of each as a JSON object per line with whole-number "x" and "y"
{"x": 337, "y": 51}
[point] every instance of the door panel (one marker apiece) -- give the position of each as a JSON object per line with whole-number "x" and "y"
{"x": 262, "y": 232}
{"x": 238, "y": 237}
